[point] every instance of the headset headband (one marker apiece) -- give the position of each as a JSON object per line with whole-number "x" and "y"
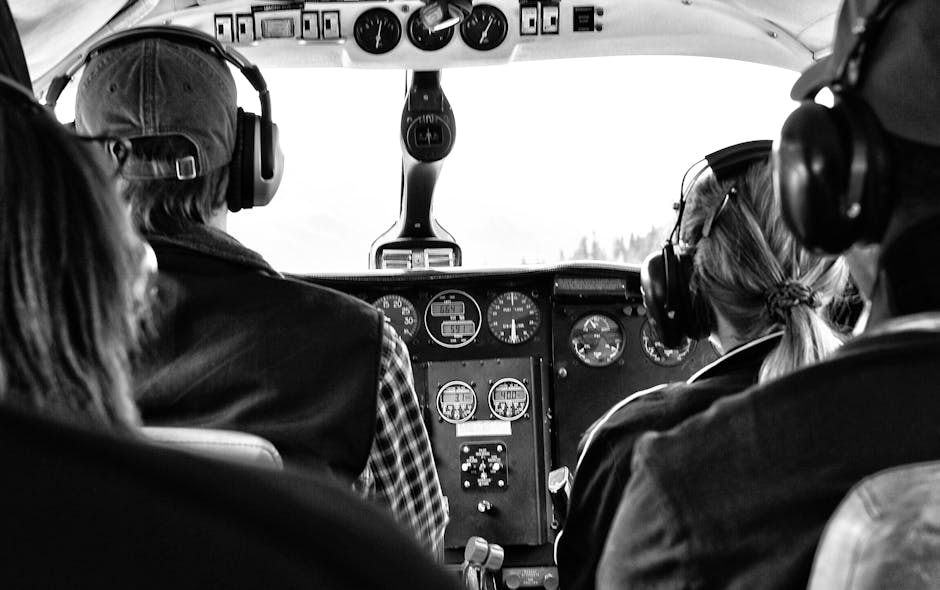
{"x": 725, "y": 164}
{"x": 198, "y": 40}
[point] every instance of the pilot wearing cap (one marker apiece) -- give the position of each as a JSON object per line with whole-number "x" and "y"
{"x": 237, "y": 345}
{"x": 738, "y": 497}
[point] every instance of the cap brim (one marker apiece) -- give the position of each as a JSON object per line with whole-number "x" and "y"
{"x": 812, "y": 80}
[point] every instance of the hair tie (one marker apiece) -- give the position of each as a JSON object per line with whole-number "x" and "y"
{"x": 787, "y": 295}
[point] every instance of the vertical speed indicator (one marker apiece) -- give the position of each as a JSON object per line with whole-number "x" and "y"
{"x": 513, "y": 317}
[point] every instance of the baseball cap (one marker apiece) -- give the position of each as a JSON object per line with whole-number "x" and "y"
{"x": 176, "y": 103}
{"x": 899, "y": 75}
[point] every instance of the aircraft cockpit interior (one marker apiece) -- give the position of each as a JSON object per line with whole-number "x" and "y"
{"x": 490, "y": 176}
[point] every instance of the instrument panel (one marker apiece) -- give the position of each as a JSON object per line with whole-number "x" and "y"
{"x": 512, "y": 366}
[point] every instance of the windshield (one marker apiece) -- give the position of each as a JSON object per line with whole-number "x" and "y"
{"x": 577, "y": 159}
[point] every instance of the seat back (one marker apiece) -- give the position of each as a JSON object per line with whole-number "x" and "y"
{"x": 88, "y": 510}
{"x": 228, "y": 445}
{"x": 885, "y": 534}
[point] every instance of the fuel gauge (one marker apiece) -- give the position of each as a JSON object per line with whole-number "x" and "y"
{"x": 377, "y": 31}
{"x": 485, "y": 29}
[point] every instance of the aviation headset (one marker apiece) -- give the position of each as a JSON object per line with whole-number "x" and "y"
{"x": 257, "y": 161}
{"x": 665, "y": 277}
{"x": 831, "y": 167}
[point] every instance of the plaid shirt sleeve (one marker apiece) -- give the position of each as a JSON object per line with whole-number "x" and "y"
{"x": 400, "y": 472}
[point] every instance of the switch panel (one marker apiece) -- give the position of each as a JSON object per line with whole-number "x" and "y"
{"x": 529, "y": 19}
{"x": 245, "y": 28}
{"x": 330, "y": 20}
{"x": 224, "y": 31}
{"x": 550, "y": 14}
{"x": 310, "y": 26}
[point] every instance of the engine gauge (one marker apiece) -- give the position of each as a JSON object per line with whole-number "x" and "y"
{"x": 657, "y": 352}
{"x": 485, "y": 28}
{"x": 456, "y": 402}
{"x": 452, "y": 319}
{"x": 425, "y": 39}
{"x": 513, "y": 317}
{"x": 597, "y": 340}
{"x": 377, "y": 31}
{"x": 508, "y": 399}
{"x": 400, "y": 313}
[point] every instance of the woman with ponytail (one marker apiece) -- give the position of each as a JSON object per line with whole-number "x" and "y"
{"x": 761, "y": 299}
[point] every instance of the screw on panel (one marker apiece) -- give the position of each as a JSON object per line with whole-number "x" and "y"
{"x": 687, "y": 2}
{"x": 562, "y": 372}
{"x": 600, "y": 12}
{"x": 499, "y": 448}
{"x": 772, "y": 34}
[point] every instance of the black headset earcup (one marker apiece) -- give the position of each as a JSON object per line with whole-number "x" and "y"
{"x": 810, "y": 172}
{"x": 831, "y": 173}
{"x": 664, "y": 283}
{"x": 870, "y": 173}
{"x": 247, "y": 185}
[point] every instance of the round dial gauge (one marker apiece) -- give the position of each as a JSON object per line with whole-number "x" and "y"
{"x": 400, "y": 313}
{"x": 456, "y": 402}
{"x": 513, "y": 317}
{"x": 452, "y": 319}
{"x": 597, "y": 340}
{"x": 508, "y": 399}
{"x": 657, "y": 352}
{"x": 485, "y": 28}
{"x": 377, "y": 30}
{"x": 425, "y": 39}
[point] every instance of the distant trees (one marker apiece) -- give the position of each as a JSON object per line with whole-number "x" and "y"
{"x": 632, "y": 249}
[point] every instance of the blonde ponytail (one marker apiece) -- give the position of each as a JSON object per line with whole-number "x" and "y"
{"x": 750, "y": 269}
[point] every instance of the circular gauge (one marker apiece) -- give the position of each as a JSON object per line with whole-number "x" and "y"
{"x": 400, "y": 313}
{"x": 485, "y": 28}
{"x": 508, "y": 399}
{"x": 597, "y": 340}
{"x": 377, "y": 30}
{"x": 456, "y": 402}
{"x": 425, "y": 39}
{"x": 657, "y": 352}
{"x": 452, "y": 319}
{"x": 513, "y": 317}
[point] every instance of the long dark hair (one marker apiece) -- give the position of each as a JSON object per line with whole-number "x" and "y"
{"x": 751, "y": 269}
{"x": 69, "y": 262}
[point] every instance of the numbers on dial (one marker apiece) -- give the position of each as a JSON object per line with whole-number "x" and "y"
{"x": 456, "y": 402}
{"x": 508, "y": 399}
{"x": 377, "y": 31}
{"x": 513, "y": 317}
{"x": 597, "y": 340}
{"x": 400, "y": 313}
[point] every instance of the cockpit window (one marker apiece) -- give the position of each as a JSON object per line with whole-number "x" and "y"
{"x": 577, "y": 159}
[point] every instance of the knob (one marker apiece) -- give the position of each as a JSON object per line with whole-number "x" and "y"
{"x": 484, "y": 506}
{"x": 550, "y": 581}
{"x": 512, "y": 581}
{"x": 496, "y": 467}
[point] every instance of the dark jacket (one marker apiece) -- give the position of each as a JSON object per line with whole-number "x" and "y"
{"x": 738, "y": 496}
{"x": 604, "y": 464}
{"x": 240, "y": 347}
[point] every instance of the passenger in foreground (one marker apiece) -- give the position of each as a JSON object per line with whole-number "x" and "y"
{"x": 239, "y": 346}
{"x": 70, "y": 270}
{"x": 738, "y": 496}
{"x": 750, "y": 287}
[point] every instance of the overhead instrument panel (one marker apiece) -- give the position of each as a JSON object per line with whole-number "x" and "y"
{"x": 452, "y": 319}
{"x": 377, "y": 31}
{"x": 508, "y": 399}
{"x": 485, "y": 28}
{"x": 513, "y": 317}
{"x": 597, "y": 340}
{"x": 425, "y": 39}
{"x": 400, "y": 313}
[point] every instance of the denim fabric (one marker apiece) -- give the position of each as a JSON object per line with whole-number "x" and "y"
{"x": 885, "y": 534}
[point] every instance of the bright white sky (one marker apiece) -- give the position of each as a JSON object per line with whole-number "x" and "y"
{"x": 546, "y": 153}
